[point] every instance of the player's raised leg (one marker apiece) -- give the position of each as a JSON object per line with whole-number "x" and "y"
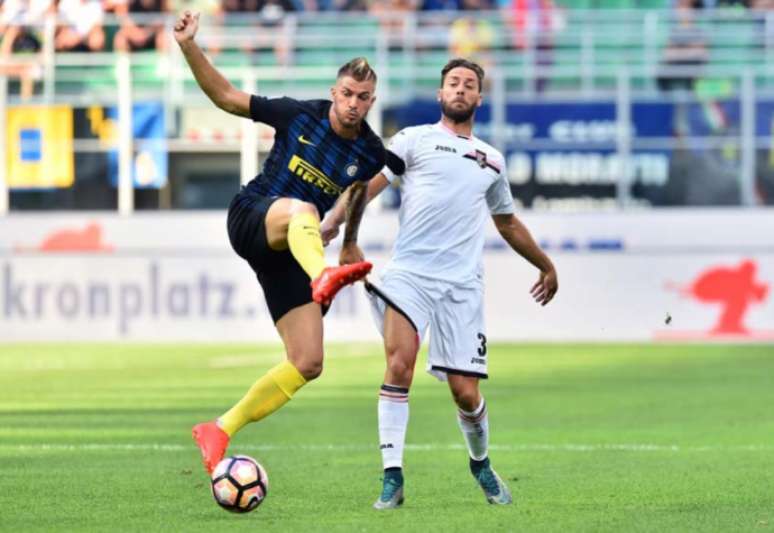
{"x": 295, "y": 224}
{"x": 400, "y": 346}
{"x": 301, "y": 332}
{"x": 473, "y": 420}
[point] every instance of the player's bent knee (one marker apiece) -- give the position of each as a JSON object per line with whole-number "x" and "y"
{"x": 400, "y": 358}
{"x": 299, "y": 206}
{"x": 308, "y": 361}
{"x": 283, "y": 209}
{"x": 309, "y": 369}
{"x": 400, "y": 350}
{"x": 401, "y": 368}
{"x": 466, "y": 398}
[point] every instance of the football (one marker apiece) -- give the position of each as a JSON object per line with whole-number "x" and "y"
{"x": 239, "y": 484}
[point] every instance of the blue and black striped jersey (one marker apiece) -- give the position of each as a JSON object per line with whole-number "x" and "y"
{"x": 309, "y": 161}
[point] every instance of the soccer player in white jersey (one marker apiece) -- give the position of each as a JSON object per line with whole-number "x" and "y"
{"x": 434, "y": 279}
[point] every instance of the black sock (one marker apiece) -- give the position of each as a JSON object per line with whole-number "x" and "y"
{"x": 476, "y": 466}
{"x": 394, "y": 471}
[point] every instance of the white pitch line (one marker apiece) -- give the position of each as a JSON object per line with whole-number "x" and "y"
{"x": 432, "y": 447}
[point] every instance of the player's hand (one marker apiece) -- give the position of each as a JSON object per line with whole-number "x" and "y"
{"x": 350, "y": 253}
{"x": 329, "y": 230}
{"x": 186, "y": 26}
{"x": 545, "y": 288}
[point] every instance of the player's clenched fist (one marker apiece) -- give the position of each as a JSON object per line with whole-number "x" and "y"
{"x": 186, "y": 26}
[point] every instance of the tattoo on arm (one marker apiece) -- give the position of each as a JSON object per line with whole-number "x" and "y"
{"x": 355, "y": 206}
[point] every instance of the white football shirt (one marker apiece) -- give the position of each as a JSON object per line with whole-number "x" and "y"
{"x": 450, "y": 187}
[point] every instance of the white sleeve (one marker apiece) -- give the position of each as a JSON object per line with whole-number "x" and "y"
{"x": 498, "y": 196}
{"x": 400, "y": 145}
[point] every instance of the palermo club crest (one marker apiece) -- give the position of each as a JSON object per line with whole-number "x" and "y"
{"x": 481, "y": 158}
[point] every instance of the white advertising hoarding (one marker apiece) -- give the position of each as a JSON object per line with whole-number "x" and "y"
{"x": 664, "y": 275}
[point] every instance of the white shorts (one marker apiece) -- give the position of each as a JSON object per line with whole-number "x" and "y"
{"x": 454, "y": 314}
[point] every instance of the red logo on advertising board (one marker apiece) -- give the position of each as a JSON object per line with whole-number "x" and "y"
{"x": 735, "y": 289}
{"x": 88, "y": 239}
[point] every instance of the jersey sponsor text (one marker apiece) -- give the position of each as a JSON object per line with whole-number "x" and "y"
{"x": 312, "y": 175}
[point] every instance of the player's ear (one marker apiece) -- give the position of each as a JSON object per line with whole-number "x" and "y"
{"x": 333, "y": 92}
{"x": 438, "y": 95}
{"x": 480, "y": 100}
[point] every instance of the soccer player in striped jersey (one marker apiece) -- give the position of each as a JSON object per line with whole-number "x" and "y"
{"x": 321, "y": 148}
{"x": 434, "y": 279}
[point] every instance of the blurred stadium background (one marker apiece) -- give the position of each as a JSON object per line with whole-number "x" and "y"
{"x": 639, "y": 136}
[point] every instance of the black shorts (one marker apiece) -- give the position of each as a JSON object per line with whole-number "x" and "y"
{"x": 285, "y": 284}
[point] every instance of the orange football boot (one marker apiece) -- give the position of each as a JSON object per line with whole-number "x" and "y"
{"x": 326, "y": 285}
{"x": 212, "y": 441}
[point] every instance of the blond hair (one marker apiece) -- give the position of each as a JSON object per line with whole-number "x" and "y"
{"x": 359, "y": 69}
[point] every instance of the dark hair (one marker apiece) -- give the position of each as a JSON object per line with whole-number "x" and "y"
{"x": 359, "y": 69}
{"x": 460, "y": 62}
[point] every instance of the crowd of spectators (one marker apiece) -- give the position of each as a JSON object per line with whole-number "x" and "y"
{"x": 81, "y": 22}
{"x": 687, "y": 49}
{"x": 82, "y": 25}
{"x": 132, "y": 25}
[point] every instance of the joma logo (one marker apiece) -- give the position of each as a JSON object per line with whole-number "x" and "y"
{"x": 445, "y": 148}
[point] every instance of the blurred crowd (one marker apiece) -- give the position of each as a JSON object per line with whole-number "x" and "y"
{"x": 81, "y": 24}
{"x": 132, "y": 25}
{"x": 688, "y": 45}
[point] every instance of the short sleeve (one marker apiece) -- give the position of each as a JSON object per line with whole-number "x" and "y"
{"x": 276, "y": 112}
{"x": 398, "y": 155}
{"x": 376, "y": 155}
{"x": 499, "y": 198}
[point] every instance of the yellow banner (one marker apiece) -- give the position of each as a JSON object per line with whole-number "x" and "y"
{"x": 39, "y": 145}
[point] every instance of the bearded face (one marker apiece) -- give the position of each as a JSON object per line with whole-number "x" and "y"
{"x": 460, "y": 94}
{"x": 458, "y": 110}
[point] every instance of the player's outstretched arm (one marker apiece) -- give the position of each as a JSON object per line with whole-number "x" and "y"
{"x": 215, "y": 86}
{"x": 520, "y": 239}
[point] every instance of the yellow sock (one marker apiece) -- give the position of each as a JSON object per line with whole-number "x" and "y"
{"x": 269, "y": 393}
{"x": 306, "y": 244}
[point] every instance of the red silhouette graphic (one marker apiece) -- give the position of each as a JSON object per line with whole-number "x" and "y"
{"x": 88, "y": 239}
{"x": 735, "y": 289}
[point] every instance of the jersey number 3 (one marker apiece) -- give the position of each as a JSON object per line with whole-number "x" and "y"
{"x": 482, "y": 348}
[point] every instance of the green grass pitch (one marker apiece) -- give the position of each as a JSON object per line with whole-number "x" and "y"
{"x": 589, "y": 437}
